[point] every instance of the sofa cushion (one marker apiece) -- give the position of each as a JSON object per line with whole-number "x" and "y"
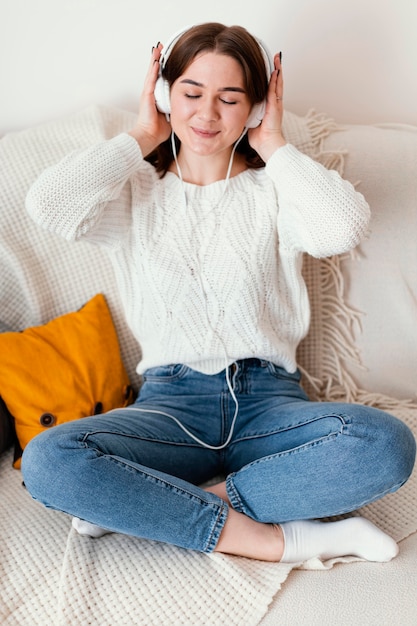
{"x": 66, "y": 369}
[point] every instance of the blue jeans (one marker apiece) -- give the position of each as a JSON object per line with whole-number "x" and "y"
{"x": 137, "y": 471}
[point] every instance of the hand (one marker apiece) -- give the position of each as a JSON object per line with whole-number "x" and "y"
{"x": 268, "y": 137}
{"x": 152, "y": 127}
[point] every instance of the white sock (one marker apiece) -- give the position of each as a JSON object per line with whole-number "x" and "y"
{"x": 85, "y": 528}
{"x": 354, "y": 536}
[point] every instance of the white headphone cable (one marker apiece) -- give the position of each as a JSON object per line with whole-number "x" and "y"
{"x": 230, "y": 384}
{"x": 185, "y": 429}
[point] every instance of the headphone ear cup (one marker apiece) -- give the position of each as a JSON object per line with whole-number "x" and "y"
{"x": 161, "y": 93}
{"x": 256, "y": 115}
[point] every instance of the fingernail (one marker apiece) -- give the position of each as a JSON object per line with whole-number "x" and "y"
{"x": 280, "y": 57}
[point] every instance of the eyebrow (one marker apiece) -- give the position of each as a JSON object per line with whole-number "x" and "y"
{"x": 196, "y": 84}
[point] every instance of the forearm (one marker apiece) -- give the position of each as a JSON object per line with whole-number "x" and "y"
{"x": 146, "y": 142}
{"x": 68, "y": 198}
{"x": 321, "y": 212}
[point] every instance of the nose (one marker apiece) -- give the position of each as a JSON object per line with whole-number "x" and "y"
{"x": 207, "y": 110}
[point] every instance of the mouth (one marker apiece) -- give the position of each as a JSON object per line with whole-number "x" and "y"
{"x": 205, "y": 134}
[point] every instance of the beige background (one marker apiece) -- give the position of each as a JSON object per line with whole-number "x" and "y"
{"x": 356, "y": 60}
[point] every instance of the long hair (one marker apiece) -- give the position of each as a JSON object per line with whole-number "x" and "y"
{"x": 233, "y": 41}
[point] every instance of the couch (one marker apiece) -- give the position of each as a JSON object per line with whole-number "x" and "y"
{"x": 58, "y": 299}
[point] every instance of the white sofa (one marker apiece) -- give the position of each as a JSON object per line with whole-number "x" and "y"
{"x": 362, "y": 346}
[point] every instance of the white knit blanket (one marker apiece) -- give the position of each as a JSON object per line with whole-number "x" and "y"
{"x": 50, "y": 575}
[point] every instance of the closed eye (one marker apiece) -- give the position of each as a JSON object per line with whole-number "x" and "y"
{"x": 194, "y": 97}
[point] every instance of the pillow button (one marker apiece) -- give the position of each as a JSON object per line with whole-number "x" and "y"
{"x": 47, "y": 419}
{"x": 98, "y": 408}
{"x": 127, "y": 392}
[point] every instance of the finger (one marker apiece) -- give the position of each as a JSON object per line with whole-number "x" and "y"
{"x": 278, "y": 60}
{"x": 279, "y": 87}
{"x": 156, "y": 51}
{"x": 272, "y": 87}
{"x": 274, "y": 96}
{"x": 153, "y": 69}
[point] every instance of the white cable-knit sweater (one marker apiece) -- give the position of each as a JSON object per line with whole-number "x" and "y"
{"x": 206, "y": 276}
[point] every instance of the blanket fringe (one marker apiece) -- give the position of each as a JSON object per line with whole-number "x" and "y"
{"x": 369, "y": 398}
{"x": 338, "y": 322}
{"x": 320, "y": 125}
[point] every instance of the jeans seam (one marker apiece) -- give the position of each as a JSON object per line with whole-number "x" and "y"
{"x": 277, "y": 431}
{"x": 233, "y": 495}
{"x": 297, "y": 450}
{"x": 215, "y": 532}
{"x": 219, "y": 510}
{"x": 169, "y": 442}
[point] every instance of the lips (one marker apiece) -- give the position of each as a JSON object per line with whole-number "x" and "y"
{"x": 205, "y": 134}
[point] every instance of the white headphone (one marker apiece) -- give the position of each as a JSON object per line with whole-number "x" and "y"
{"x": 162, "y": 89}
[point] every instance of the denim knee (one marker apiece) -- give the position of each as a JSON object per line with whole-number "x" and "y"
{"x": 372, "y": 455}
{"x": 41, "y": 460}
{"x": 399, "y": 450}
{"x": 391, "y": 446}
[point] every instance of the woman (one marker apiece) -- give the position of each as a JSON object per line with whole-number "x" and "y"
{"x": 206, "y": 211}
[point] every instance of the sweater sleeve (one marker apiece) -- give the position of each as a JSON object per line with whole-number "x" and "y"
{"x": 319, "y": 212}
{"x": 70, "y": 198}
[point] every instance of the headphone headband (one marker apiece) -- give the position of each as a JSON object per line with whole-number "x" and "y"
{"x": 162, "y": 88}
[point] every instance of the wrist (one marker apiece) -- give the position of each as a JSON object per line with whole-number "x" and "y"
{"x": 267, "y": 149}
{"x": 146, "y": 142}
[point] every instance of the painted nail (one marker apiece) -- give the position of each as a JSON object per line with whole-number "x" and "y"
{"x": 280, "y": 57}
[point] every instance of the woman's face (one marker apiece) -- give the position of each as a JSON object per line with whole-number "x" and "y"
{"x": 209, "y": 104}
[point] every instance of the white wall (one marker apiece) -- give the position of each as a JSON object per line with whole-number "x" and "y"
{"x": 356, "y": 60}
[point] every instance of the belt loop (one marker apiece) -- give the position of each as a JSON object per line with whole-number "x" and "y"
{"x": 234, "y": 369}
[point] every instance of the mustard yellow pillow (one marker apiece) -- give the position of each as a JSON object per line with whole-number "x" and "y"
{"x": 66, "y": 369}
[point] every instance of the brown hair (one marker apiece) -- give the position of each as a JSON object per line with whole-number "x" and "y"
{"x": 233, "y": 41}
